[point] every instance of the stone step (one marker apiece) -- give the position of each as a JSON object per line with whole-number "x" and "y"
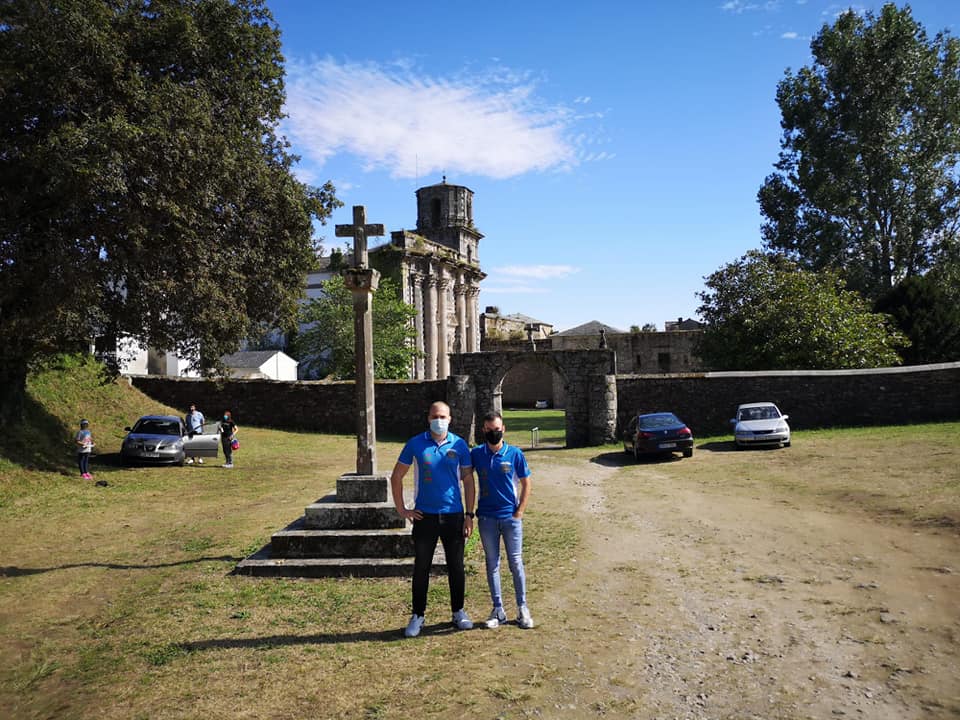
{"x": 262, "y": 564}
{"x": 354, "y": 488}
{"x": 327, "y": 514}
{"x": 299, "y": 541}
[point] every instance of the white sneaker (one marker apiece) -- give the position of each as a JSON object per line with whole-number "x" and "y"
{"x": 199, "y": 461}
{"x": 461, "y": 620}
{"x": 414, "y": 626}
{"x": 189, "y": 461}
{"x": 523, "y": 618}
{"x": 228, "y": 465}
{"x": 497, "y": 616}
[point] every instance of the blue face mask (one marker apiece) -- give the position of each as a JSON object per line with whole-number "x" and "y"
{"x": 438, "y": 426}
{"x": 225, "y": 417}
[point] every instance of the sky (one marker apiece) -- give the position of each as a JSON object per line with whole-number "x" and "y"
{"x": 614, "y": 148}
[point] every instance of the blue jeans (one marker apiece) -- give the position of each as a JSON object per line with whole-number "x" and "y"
{"x": 511, "y": 530}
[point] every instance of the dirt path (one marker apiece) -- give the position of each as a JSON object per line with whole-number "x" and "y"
{"x": 687, "y": 601}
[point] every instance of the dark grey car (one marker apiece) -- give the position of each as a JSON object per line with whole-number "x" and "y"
{"x": 162, "y": 439}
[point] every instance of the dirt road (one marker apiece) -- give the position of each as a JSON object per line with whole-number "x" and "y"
{"x": 692, "y": 599}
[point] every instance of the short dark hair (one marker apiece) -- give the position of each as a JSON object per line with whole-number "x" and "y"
{"x": 491, "y": 416}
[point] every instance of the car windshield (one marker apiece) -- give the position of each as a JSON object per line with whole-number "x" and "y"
{"x": 154, "y": 426}
{"x": 767, "y": 412}
{"x": 652, "y": 422}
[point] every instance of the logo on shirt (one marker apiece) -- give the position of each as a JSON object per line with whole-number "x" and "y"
{"x": 452, "y": 454}
{"x": 505, "y": 468}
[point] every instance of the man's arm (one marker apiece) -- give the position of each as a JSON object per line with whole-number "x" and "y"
{"x": 396, "y": 488}
{"x": 524, "y": 496}
{"x": 469, "y": 497}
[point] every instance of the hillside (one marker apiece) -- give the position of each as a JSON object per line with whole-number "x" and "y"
{"x": 66, "y": 389}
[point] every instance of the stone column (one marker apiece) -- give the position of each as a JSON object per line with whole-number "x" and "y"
{"x": 473, "y": 318}
{"x": 362, "y": 282}
{"x": 416, "y": 289}
{"x": 460, "y": 300}
{"x": 443, "y": 357}
{"x": 430, "y": 327}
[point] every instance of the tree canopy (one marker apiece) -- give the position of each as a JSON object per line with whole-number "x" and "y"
{"x": 764, "y": 312}
{"x": 326, "y": 346}
{"x": 868, "y": 179}
{"x": 928, "y": 314}
{"x": 144, "y": 190}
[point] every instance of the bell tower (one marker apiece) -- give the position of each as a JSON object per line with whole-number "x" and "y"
{"x": 445, "y": 216}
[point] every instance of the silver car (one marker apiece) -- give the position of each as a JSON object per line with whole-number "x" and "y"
{"x": 760, "y": 423}
{"x": 163, "y": 439}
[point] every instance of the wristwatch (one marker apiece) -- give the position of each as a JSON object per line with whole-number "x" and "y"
{"x": 470, "y": 515}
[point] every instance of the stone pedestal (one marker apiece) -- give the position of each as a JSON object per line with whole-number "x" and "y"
{"x": 354, "y": 533}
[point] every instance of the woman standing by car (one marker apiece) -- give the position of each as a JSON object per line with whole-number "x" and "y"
{"x": 228, "y": 433}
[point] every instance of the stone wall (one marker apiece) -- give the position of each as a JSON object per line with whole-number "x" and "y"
{"x": 812, "y": 399}
{"x": 401, "y": 406}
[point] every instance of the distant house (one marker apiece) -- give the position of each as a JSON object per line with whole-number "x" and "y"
{"x": 517, "y": 326}
{"x": 263, "y": 364}
{"x": 681, "y": 324}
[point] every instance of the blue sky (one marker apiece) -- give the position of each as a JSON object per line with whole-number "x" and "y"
{"x": 615, "y": 149}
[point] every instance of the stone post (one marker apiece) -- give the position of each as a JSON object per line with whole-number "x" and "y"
{"x": 473, "y": 319}
{"x": 362, "y": 282}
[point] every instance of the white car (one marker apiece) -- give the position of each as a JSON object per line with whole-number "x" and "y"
{"x": 760, "y": 423}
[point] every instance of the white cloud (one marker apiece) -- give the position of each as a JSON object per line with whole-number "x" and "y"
{"x": 537, "y": 272}
{"x": 739, "y": 7}
{"x": 490, "y": 124}
{"x": 790, "y": 36}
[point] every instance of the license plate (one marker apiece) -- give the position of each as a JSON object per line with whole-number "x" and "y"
{"x": 664, "y": 446}
{"x": 151, "y": 455}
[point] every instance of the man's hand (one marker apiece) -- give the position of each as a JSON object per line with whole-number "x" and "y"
{"x": 467, "y": 526}
{"x": 408, "y": 514}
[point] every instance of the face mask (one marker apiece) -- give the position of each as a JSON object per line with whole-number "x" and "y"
{"x": 493, "y": 436}
{"x": 438, "y": 426}
{"x": 225, "y": 417}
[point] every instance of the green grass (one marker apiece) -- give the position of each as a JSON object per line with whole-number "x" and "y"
{"x": 552, "y": 424}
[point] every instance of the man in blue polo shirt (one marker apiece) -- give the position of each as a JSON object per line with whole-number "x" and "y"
{"x": 441, "y": 461}
{"x": 504, "y": 490}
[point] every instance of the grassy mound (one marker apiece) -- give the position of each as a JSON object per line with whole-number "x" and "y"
{"x": 64, "y": 390}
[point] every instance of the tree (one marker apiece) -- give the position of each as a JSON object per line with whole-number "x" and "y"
{"x": 144, "y": 191}
{"x": 868, "y": 179}
{"x": 764, "y": 312}
{"x": 926, "y": 314}
{"x": 326, "y": 347}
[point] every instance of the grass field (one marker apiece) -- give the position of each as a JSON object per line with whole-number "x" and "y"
{"x": 118, "y": 602}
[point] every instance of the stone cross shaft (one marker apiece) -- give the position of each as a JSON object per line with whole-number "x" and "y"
{"x": 362, "y": 282}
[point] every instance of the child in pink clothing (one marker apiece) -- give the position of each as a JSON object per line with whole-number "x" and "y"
{"x": 84, "y": 442}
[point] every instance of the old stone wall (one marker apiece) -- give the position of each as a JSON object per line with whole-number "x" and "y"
{"x": 401, "y": 406}
{"x": 812, "y": 399}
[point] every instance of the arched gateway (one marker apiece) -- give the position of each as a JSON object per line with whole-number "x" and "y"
{"x": 589, "y": 381}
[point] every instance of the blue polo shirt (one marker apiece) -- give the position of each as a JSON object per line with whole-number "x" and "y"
{"x": 499, "y": 474}
{"x": 436, "y": 471}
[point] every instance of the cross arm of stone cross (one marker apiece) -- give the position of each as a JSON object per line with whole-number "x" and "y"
{"x": 359, "y": 231}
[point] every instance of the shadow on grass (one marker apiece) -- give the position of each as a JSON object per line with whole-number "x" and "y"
{"x": 13, "y": 571}
{"x": 272, "y": 641}
{"x": 622, "y": 459}
{"x": 720, "y": 446}
{"x": 36, "y": 443}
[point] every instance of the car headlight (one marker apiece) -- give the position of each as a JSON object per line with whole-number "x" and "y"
{"x": 782, "y": 428}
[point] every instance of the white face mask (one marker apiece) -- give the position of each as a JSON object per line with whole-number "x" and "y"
{"x": 438, "y": 426}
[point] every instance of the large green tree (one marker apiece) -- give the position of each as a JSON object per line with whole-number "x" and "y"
{"x": 928, "y": 314}
{"x": 326, "y": 346}
{"x": 764, "y": 312}
{"x": 868, "y": 180}
{"x": 144, "y": 190}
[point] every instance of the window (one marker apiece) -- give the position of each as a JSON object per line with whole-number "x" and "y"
{"x": 663, "y": 361}
{"x": 435, "y": 212}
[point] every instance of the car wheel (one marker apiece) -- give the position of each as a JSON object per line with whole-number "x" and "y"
{"x": 688, "y": 452}
{"x": 787, "y": 444}
{"x": 636, "y": 453}
{"x": 739, "y": 446}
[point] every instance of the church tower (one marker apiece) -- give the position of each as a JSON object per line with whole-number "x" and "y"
{"x": 445, "y": 216}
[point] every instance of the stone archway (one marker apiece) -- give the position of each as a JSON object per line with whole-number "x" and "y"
{"x": 589, "y": 382}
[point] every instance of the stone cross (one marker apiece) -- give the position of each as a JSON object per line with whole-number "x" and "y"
{"x": 362, "y": 282}
{"x": 359, "y": 231}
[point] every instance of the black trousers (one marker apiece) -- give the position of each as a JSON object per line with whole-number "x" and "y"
{"x": 448, "y": 528}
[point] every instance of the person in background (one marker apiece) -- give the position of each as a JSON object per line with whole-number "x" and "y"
{"x": 228, "y": 433}
{"x": 442, "y": 461}
{"x": 504, "y": 488}
{"x": 84, "y": 442}
{"x": 194, "y": 422}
